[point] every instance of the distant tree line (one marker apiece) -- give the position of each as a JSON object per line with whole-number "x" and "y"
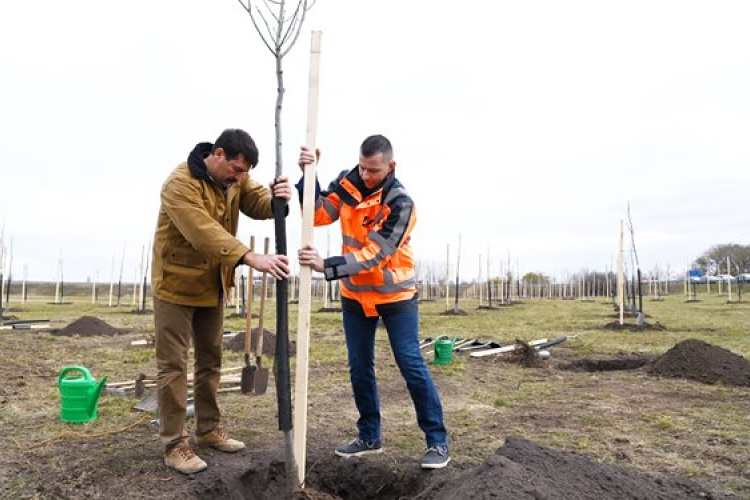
{"x": 714, "y": 260}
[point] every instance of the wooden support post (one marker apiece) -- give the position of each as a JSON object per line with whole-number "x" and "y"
{"x": 305, "y": 274}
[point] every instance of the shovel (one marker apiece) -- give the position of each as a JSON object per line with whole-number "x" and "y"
{"x": 248, "y": 371}
{"x": 261, "y": 374}
{"x": 479, "y": 345}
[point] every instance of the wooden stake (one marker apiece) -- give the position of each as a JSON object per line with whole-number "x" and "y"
{"x": 729, "y": 280}
{"x": 112, "y": 281}
{"x": 447, "y": 277}
{"x": 305, "y": 273}
{"x": 621, "y": 277}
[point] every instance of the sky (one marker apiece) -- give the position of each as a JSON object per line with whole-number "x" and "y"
{"x": 520, "y": 129}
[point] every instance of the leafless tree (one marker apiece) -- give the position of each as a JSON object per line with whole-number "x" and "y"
{"x": 279, "y": 27}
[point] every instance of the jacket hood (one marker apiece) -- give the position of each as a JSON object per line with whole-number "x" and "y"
{"x": 195, "y": 161}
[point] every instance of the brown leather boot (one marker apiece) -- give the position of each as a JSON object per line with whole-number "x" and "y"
{"x": 182, "y": 458}
{"x": 219, "y": 439}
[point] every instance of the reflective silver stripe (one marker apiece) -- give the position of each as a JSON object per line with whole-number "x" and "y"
{"x": 387, "y": 288}
{"x": 388, "y": 277}
{"x": 403, "y": 221}
{"x": 378, "y": 217}
{"x": 354, "y": 267}
{"x": 328, "y": 207}
{"x": 395, "y": 193}
{"x": 352, "y": 242}
{"x": 386, "y": 245}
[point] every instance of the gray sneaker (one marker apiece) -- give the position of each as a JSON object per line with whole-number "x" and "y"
{"x": 436, "y": 457}
{"x": 357, "y": 448}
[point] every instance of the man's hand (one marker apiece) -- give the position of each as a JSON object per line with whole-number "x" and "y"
{"x": 306, "y": 156}
{"x": 281, "y": 188}
{"x": 308, "y": 256}
{"x": 276, "y": 265}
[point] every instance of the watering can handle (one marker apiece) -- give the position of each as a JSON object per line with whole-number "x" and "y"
{"x": 64, "y": 371}
{"x": 441, "y": 338}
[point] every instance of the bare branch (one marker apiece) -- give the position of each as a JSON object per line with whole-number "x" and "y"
{"x": 305, "y": 8}
{"x": 257, "y": 28}
{"x": 246, "y": 7}
{"x": 271, "y": 34}
{"x": 279, "y": 29}
{"x": 270, "y": 10}
{"x": 291, "y": 23}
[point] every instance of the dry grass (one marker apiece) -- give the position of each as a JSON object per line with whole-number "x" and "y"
{"x": 659, "y": 425}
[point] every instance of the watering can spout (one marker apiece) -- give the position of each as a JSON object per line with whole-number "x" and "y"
{"x": 94, "y": 397}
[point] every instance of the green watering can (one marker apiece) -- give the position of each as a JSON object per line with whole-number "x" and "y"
{"x": 444, "y": 350}
{"x": 79, "y": 395}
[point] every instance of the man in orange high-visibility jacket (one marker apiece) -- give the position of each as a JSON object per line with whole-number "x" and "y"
{"x": 377, "y": 276}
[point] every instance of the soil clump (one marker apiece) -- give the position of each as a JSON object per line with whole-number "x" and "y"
{"x": 89, "y": 326}
{"x": 698, "y": 360}
{"x": 237, "y": 343}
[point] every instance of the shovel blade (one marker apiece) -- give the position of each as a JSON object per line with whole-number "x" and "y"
{"x": 261, "y": 381}
{"x": 148, "y": 404}
{"x": 248, "y": 380}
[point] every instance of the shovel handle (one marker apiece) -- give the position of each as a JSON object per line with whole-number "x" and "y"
{"x": 249, "y": 314}
{"x": 263, "y": 292}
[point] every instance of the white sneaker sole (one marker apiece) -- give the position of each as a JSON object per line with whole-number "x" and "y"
{"x": 436, "y": 466}
{"x": 186, "y": 472}
{"x": 359, "y": 453}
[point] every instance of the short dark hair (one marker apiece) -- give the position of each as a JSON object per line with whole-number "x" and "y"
{"x": 235, "y": 142}
{"x": 377, "y": 144}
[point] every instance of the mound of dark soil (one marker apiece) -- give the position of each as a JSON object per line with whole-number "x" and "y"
{"x": 89, "y": 326}
{"x": 519, "y": 470}
{"x": 522, "y": 469}
{"x": 237, "y": 343}
{"x": 698, "y": 360}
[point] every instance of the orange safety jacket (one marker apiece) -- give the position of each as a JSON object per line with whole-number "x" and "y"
{"x": 377, "y": 265}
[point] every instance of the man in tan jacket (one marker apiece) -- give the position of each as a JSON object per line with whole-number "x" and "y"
{"x": 195, "y": 254}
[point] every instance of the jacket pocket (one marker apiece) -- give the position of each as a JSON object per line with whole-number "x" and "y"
{"x": 184, "y": 257}
{"x": 186, "y": 272}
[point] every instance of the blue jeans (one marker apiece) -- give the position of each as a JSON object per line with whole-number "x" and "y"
{"x": 403, "y": 334}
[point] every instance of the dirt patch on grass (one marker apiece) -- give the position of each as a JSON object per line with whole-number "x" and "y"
{"x": 329, "y": 310}
{"x": 89, "y": 326}
{"x": 615, "y": 325}
{"x": 698, "y": 360}
{"x": 455, "y": 312}
{"x": 606, "y": 364}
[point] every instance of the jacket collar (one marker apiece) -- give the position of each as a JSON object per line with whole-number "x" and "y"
{"x": 365, "y": 192}
{"x": 196, "y": 165}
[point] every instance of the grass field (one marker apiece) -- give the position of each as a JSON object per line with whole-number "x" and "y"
{"x": 666, "y": 426}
